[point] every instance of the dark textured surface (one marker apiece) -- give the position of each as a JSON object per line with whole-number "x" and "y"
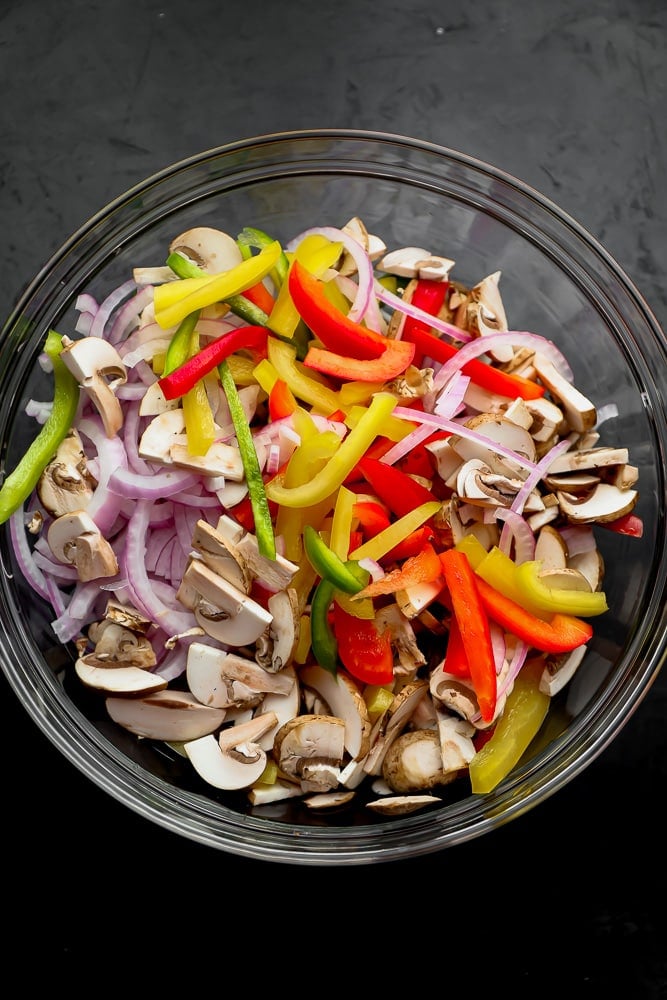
{"x": 569, "y": 96}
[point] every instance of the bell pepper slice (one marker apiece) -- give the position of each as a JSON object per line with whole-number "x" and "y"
{"x": 398, "y": 531}
{"x": 20, "y": 483}
{"x": 473, "y": 622}
{"x": 364, "y": 651}
{"x": 583, "y": 604}
{"x": 253, "y": 474}
{"x": 341, "y": 525}
{"x": 393, "y": 361}
{"x": 322, "y": 638}
{"x": 327, "y": 564}
{"x": 410, "y": 545}
{"x": 282, "y": 401}
{"x": 327, "y": 323}
{"x": 372, "y": 517}
{"x": 424, "y": 567}
{"x": 428, "y": 295}
{"x": 283, "y": 358}
{"x": 456, "y": 658}
{"x": 397, "y": 490}
{"x": 177, "y": 382}
{"x": 341, "y": 463}
{"x": 316, "y": 253}
{"x": 628, "y": 524}
{"x": 561, "y": 634}
{"x": 174, "y": 300}
{"x": 484, "y": 375}
{"x": 524, "y": 712}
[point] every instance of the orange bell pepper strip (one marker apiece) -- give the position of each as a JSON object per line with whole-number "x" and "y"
{"x": 486, "y": 376}
{"x": 561, "y": 634}
{"x": 393, "y": 361}
{"x": 260, "y": 296}
{"x": 473, "y": 622}
{"x": 398, "y": 491}
{"x": 421, "y": 568}
{"x": 282, "y": 401}
{"x": 371, "y": 516}
{"x": 326, "y": 322}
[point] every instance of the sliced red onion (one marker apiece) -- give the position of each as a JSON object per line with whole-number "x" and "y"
{"x": 373, "y": 567}
{"x": 372, "y": 317}
{"x": 579, "y": 538}
{"x": 129, "y": 314}
{"x": 537, "y": 473}
{"x": 517, "y": 531}
{"x": 24, "y": 557}
{"x": 406, "y": 444}
{"x": 109, "y": 304}
{"x": 136, "y": 486}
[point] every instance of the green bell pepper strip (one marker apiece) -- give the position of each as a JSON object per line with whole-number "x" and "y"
{"x": 250, "y": 238}
{"x": 322, "y": 639}
{"x": 20, "y": 483}
{"x": 524, "y": 713}
{"x": 180, "y": 344}
{"x": 341, "y": 463}
{"x": 327, "y": 564}
{"x": 253, "y": 474}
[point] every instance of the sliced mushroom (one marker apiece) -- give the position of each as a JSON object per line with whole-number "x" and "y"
{"x": 391, "y": 723}
{"x": 415, "y": 262}
{"x": 413, "y": 763}
{"x": 98, "y": 368}
{"x": 344, "y": 700}
{"x": 264, "y": 794}
{"x": 495, "y": 429}
{"x": 328, "y": 800}
{"x": 456, "y": 746}
{"x": 235, "y": 760}
{"x": 550, "y": 548}
{"x": 283, "y": 632}
{"x": 223, "y": 611}
{"x": 154, "y": 402}
{"x": 309, "y": 740}
{"x": 485, "y": 314}
{"x": 402, "y": 805}
{"x": 129, "y": 617}
{"x": 579, "y": 459}
{"x": 117, "y": 646}
{"x": 210, "y": 249}
{"x": 172, "y": 716}
{"x": 74, "y": 538}
{"x": 606, "y": 503}
{"x": 403, "y": 639}
{"x": 225, "y": 680}
{"x": 274, "y": 574}
{"x": 591, "y": 565}
{"x": 66, "y": 483}
{"x": 221, "y": 555}
{"x": 559, "y": 670}
{"x": 373, "y": 245}
{"x": 118, "y": 680}
{"x": 453, "y": 693}
{"x": 579, "y": 412}
{"x": 284, "y": 706}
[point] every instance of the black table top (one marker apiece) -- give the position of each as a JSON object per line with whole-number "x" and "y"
{"x": 568, "y": 96}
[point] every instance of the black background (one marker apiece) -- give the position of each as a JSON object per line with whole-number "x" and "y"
{"x": 570, "y": 97}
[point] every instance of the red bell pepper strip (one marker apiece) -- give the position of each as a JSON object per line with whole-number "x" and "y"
{"x": 393, "y": 361}
{"x": 419, "y": 461}
{"x": 260, "y": 296}
{"x": 486, "y": 376}
{"x": 282, "y": 402}
{"x": 183, "y": 378}
{"x": 362, "y": 649}
{"x": 398, "y": 491}
{"x": 327, "y": 323}
{"x": 371, "y": 516}
{"x": 429, "y": 296}
{"x": 473, "y": 622}
{"x": 629, "y": 524}
{"x": 410, "y": 546}
{"x": 456, "y": 658}
{"x": 424, "y": 567}
{"x": 561, "y": 634}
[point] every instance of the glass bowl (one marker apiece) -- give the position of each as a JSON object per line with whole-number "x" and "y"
{"x": 557, "y": 280}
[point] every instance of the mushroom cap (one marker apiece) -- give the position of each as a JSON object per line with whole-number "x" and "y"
{"x": 307, "y": 740}
{"x": 344, "y": 700}
{"x": 414, "y": 762}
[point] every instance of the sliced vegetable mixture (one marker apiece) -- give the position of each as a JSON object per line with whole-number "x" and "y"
{"x": 314, "y": 515}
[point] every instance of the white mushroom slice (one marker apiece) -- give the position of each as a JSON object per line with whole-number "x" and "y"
{"x": 308, "y": 740}
{"x": 284, "y": 630}
{"x": 496, "y": 429}
{"x": 319, "y": 777}
{"x": 402, "y": 805}
{"x": 219, "y": 460}
{"x": 576, "y": 483}
{"x": 172, "y": 716}
{"x": 66, "y": 483}
{"x": 328, "y": 800}
{"x": 625, "y": 476}
{"x": 210, "y": 249}
{"x": 413, "y": 763}
{"x": 223, "y": 611}
{"x": 606, "y": 503}
{"x": 118, "y": 680}
{"x": 153, "y": 402}
{"x": 262, "y": 795}
{"x": 98, "y": 368}
{"x": 485, "y": 314}
{"x": 284, "y": 706}
{"x": 344, "y": 700}
{"x": 403, "y": 639}
{"x": 391, "y": 723}
{"x": 225, "y": 680}
{"x": 591, "y": 565}
{"x": 75, "y": 538}
{"x": 274, "y": 574}
{"x": 453, "y": 693}
{"x": 221, "y": 556}
{"x": 415, "y": 599}
{"x": 117, "y": 646}
{"x": 547, "y": 418}
{"x": 564, "y": 579}
{"x": 579, "y": 412}
{"x": 518, "y": 413}
{"x": 559, "y": 670}
{"x": 235, "y": 760}
{"x": 163, "y": 430}
{"x": 550, "y": 548}
{"x": 373, "y": 245}
{"x": 127, "y": 616}
{"x": 456, "y": 746}
{"x": 447, "y": 460}
{"x": 415, "y": 262}
{"x": 579, "y": 459}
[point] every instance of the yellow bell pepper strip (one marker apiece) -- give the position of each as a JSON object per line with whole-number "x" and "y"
{"x": 327, "y": 564}
{"x": 306, "y": 461}
{"x": 484, "y": 375}
{"x": 250, "y": 239}
{"x": 421, "y": 568}
{"x": 254, "y": 305}
{"x": 342, "y": 522}
{"x": 175, "y": 383}
{"x": 253, "y": 474}
{"x": 395, "y": 428}
{"x": 499, "y": 571}
{"x": 473, "y": 622}
{"x": 20, "y": 483}
{"x": 328, "y": 324}
{"x": 524, "y": 712}
{"x": 331, "y": 477}
{"x": 581, "y": 603}
{"x": 393, "y": 361}
{"x": 322, "y": 639}
{"x": 283, "y": 358}
{"x": 175, "y": 300}
{"x": 561, "y": 634}
{"x": 387, "y": 540}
